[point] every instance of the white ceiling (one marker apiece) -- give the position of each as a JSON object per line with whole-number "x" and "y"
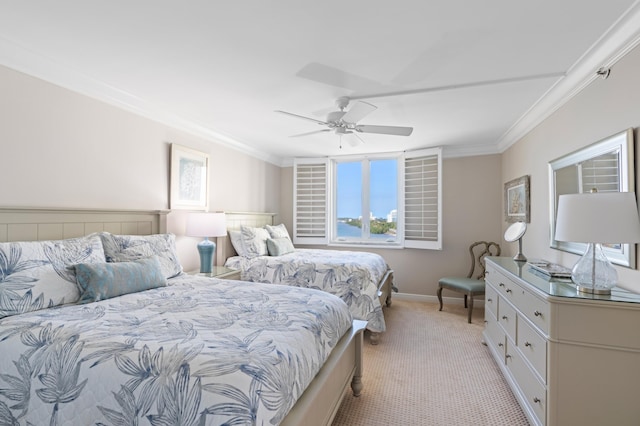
{"x": 220, "y": 69}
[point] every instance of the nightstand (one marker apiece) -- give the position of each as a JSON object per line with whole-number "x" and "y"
{"x": 221, "y": 272}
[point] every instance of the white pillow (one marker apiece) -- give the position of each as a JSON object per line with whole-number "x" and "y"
{"x": 254, "y": 241}
{"x": 236, "y": 242}
{"x": 278, "y": 231}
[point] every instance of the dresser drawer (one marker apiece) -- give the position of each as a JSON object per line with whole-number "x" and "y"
{"x": 537, "y": 310}
{"x": 491, "y": 300}
{"x": 533, "y": 347}
{"x": 508, "y": 288}
{"x": 495, "y": 335}
{"x": 507, "y": 318}
{"x": 533, "y": 391}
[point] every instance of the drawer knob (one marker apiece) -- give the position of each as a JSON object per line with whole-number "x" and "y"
{"x": 501, "y": 284}
{"x": 500, "y": 344}
{"x": 536, "y": 399}
{"x": 527, "y": 344}
{"x": 504, "y": 317}
{"x": 508, "y": 356}
{"x": 537, "y": 313}
{"x": 508, "y": 290}
{"x": 489, "y": 300}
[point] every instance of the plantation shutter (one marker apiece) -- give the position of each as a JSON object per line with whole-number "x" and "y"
{"x": 601, "y": 173}
{"x": 423, "y": 199}
{"x": 310, "y": 201}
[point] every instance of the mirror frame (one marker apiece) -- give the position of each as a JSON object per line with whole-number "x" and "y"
{"x": 624, "y": 143}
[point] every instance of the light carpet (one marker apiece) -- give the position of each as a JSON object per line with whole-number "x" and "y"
{"x": 430, "y": 368}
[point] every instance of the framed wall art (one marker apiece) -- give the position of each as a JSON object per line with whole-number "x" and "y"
{"x": 189, "y": 179}
{"x": 516, "y": 200}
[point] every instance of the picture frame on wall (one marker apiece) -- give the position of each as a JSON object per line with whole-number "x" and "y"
{"x": 517, "y": 200}
{"x": 189, "y": 179}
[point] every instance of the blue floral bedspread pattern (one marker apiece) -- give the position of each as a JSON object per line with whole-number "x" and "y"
{"x": 352, "y": 276}
{"x": 198, "y": 352}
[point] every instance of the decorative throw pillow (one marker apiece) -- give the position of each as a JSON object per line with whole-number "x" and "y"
{"x": 254, "y": 241}
{"x": 236, "y": 242}
{"x": 37, "y": 274}
{"x": 126, "y": 248}
{"x": 279, "y": 246}
{"x": 100, "y": 281}
{"x": 278, "y": 231}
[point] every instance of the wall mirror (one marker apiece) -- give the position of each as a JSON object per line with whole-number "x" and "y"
{"x": 607, "y": 165}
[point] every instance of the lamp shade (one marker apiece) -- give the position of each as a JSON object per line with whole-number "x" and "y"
{"x": 206, "y": 225}
{"x": 601, "y": 217}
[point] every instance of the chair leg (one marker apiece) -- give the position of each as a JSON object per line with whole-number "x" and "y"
{"x": 440, "y": 297}
{"x": 465, "y": 300}
{"x": 470, "y": 306}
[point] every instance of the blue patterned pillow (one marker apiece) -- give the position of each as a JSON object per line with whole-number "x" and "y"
{"x": 254, "y": 241}
{"x": 279, "y": 246}
{"x": 125, "y": 248}
{"x": 278, "y": 231}
{"x": 36, "y": 274}
{"x": 100, "y": 281}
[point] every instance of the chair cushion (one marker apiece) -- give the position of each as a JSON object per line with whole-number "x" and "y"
{"x": 467, "y": 285}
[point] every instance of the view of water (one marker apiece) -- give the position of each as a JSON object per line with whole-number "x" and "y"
{"x": 346, "y": 230}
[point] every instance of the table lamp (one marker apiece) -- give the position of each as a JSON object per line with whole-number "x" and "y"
{"x": 597, "y": 218}
{"x": 206, "y": 225}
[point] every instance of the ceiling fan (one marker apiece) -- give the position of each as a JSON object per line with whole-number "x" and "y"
{"x": 346, "y": 122}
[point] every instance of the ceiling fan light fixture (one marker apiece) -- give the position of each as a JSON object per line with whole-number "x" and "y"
{"x": 346, "y": 122}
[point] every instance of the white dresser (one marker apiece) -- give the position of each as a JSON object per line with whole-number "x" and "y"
{"x": 570, "y": 358}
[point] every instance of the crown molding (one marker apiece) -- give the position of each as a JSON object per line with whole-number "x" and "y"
{"x": 612, "y": 46}
{"x": 21, "y": 59}
{"x": 619, "y": 40}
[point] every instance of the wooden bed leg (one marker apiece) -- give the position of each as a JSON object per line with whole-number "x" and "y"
{"x": 374, "y": 338}
{"x": 356, "y": 381}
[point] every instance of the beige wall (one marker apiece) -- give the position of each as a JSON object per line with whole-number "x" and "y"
{"x": 602, "y": 109}
{"x": 62, "y": 149}
{"x": 472, "y": 210}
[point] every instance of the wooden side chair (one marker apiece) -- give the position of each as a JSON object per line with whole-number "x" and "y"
{"x": 473, "y": 283}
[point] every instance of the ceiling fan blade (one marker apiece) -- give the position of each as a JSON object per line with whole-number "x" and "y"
{"x": 310, "y": 133}
{"x": 385, "y": 130}
{"x": 358, "y": 111}
{"x": 303, "y": 117}
{"x": 354, "y": 140}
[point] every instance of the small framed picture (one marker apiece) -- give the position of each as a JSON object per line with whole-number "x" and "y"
{"x": 189, "y": 178}
{"x": 516, "y": 200}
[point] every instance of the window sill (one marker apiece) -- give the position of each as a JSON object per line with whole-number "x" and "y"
{"x": 354, "y": 244}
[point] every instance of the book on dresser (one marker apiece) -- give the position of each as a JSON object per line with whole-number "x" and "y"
{"x": 552, "y": 270}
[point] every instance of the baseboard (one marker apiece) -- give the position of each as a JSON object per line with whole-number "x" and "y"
{"x": 477, "y": 302}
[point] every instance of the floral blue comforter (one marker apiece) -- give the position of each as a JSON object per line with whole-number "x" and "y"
{"x": 352, "y": 276}
{"x": 200, "y": 351}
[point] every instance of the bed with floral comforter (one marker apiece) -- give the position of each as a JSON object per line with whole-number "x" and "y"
{"x": 353, "y": 276}
{"x": 106, "y": 329}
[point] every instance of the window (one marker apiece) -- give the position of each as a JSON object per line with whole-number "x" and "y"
{"x": 366, "y": 201}
{"x": 383, "y": 200}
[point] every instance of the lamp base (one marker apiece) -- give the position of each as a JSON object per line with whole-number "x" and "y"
{"x": 593, "y": 273}
{"x": 206, "y": 249}
{"x": 592, "y": 290}
{"x": 520, "y": 257}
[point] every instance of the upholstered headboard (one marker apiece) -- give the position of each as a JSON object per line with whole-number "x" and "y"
{"x": 37, "y": 224}
{"x": 234, "y": 221}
